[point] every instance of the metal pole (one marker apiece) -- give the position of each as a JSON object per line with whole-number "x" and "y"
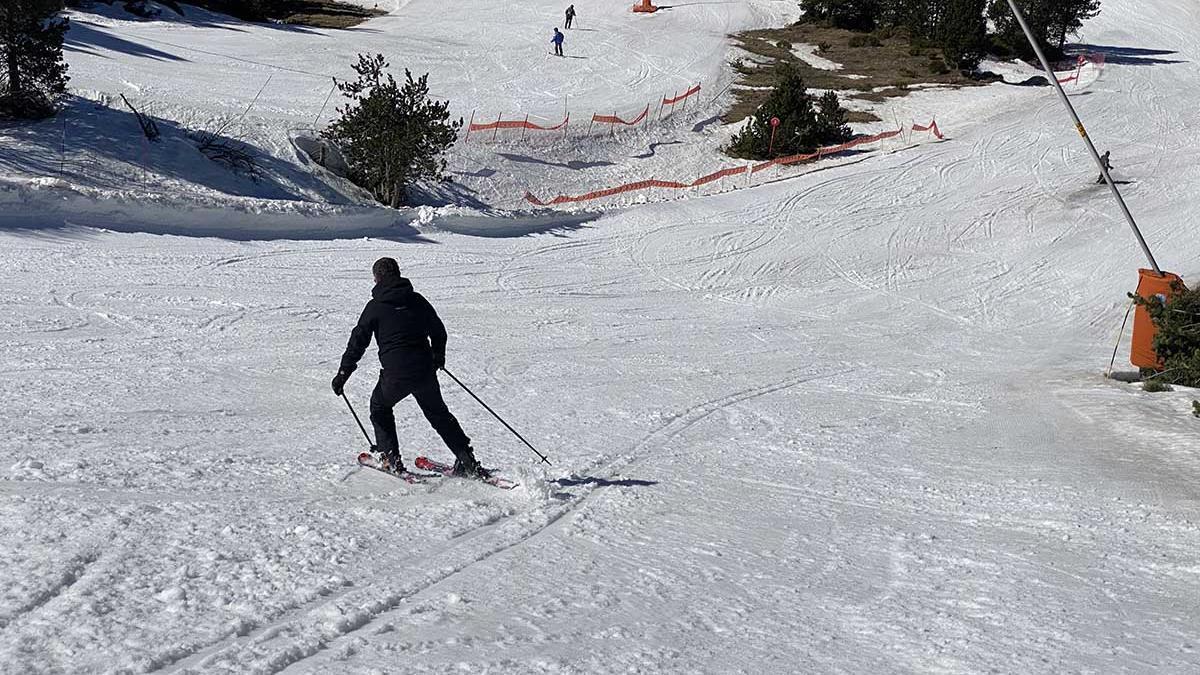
{"x": 486, "y": 407}
{"x": 360, "y": 424}
{"x": 1083, "y": 134}
{"x": 322, "y": 110}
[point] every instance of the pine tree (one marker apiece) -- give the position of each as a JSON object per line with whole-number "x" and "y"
{"x": 850, "y": 14}
{"x": 391, "y": 135}
{"x": 1067, "y": 17}
{"x": 33, "y": 75}
{"x": 1051, "y": 22}
{"x": 802, "y": 126}
{"x": 962, "y": 32}
{"x": 831, "y": 120}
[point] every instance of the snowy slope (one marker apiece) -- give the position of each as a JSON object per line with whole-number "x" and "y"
{"x": 275, "y": 84}
{"x": 851, "y": 422}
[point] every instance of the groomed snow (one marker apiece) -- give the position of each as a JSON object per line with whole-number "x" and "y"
{"x": 852, "y": 421}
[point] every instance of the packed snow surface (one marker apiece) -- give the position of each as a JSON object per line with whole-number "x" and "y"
{"x": 852, "y": 421}
{"x": 808, "y": 54}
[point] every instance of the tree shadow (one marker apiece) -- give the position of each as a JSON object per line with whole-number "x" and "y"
{"x": 482, "y": 173}
{"x": 96, "y": 169}
{"x": 512, "y": 225}
{"x": 85, "y": 39}
{"x": 573, "y": 481}
{"x": 200, "y": 17}
{"x": 574, "y": 165}
{"x": 445, "y": 193}
{"x": 1127, "y": 56}
{"x": 102, "y": 146}
{"x": 703, "y": 124}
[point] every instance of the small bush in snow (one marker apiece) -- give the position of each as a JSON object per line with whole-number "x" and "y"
{"x": 1195, "y": 408}
{"x": 805, "y": 122}
{"x": 1177, "y": 340}
{"x": 231, "y": 153}
{"x": 392, "y": 135}
{"x": 1155, "y": 385}
{"x": 33, "y": 75}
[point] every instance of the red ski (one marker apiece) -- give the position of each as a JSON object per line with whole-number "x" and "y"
{"x": 426, "y": 464}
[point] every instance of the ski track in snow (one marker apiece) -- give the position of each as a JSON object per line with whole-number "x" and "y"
{"x": 847, "y": 421}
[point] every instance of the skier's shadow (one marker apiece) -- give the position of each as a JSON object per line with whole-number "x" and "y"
{"x": 573, "y": 481}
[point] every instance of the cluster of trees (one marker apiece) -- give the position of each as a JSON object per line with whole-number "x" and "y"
{"x": 960, "y": 27}
{"x": 33, "y": 75}
{"x": 805, "y": 122}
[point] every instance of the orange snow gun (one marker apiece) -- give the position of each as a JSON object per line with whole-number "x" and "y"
{"x": 1150, "y": 285}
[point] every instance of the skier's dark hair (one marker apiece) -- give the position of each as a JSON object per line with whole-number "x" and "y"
{"x": 385, "y": 268}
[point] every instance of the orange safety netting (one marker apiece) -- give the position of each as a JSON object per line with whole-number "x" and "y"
{"x": 516, "y": 124}
{"x": 677, "y": 99}
{"x": 1084, "y": 59}
{"x": 613, "y": 119}
{"x": 733, "y": 171}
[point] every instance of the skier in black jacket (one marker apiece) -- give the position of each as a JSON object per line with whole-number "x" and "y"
{"x": 412, "y": 348}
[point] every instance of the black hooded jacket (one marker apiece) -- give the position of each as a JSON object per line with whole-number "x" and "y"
{"x": 407, "y": 329}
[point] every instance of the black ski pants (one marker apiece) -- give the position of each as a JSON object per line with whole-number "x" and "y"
{"x": 392, "y": 389}
{"x": 558, "y": 49}
{"x": 569, "y": 18}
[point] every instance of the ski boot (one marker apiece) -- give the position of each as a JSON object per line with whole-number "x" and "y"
{"x": 390, "y": 462}
{"x": 467, "y": 466}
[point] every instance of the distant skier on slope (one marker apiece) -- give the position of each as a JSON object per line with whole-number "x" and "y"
{"x": 570, "y": 16}
{"x": 558, "y": 42}
{"x": 412, "y": 348}
{"x": 1107, "y": 167}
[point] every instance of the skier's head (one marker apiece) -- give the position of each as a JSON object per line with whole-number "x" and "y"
{"x": 385, "y": 268}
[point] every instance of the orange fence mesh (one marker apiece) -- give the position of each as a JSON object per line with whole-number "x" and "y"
{"x": 516, "y": 124}
{"x": 1083, "y": 60}
{"x": 597, "y": 118}
{"x": 676, "y": 99}
{"x": 613, "y": 119}
{"x": 723, "y": 173}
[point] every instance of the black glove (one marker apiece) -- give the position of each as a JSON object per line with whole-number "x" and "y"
{"x": 339, "y": 381}
{"x": 439, "y": 361}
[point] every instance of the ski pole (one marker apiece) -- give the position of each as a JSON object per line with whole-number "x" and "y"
{"x": 486, "y": 407}
{"x": 360, "y": 424}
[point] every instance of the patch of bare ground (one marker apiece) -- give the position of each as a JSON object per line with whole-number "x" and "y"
{"x": 874, "y": 66}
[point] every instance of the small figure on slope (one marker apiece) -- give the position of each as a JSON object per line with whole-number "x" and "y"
{"x": 558, "y": 42}
{"x": 1107, "y": 167}
{"x": 412, "y": 347}
{"x": 570, "y": 16}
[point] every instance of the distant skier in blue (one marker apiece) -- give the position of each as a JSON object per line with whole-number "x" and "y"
{"x": 558, "y": 40}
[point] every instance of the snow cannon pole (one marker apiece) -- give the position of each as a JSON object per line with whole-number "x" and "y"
{"x": 493, "y": 412}
{"x": 360, "y": 424}
{"x": 1083, "y": 133}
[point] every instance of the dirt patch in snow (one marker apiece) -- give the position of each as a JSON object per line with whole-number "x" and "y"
{"x": 867, "y": 66}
